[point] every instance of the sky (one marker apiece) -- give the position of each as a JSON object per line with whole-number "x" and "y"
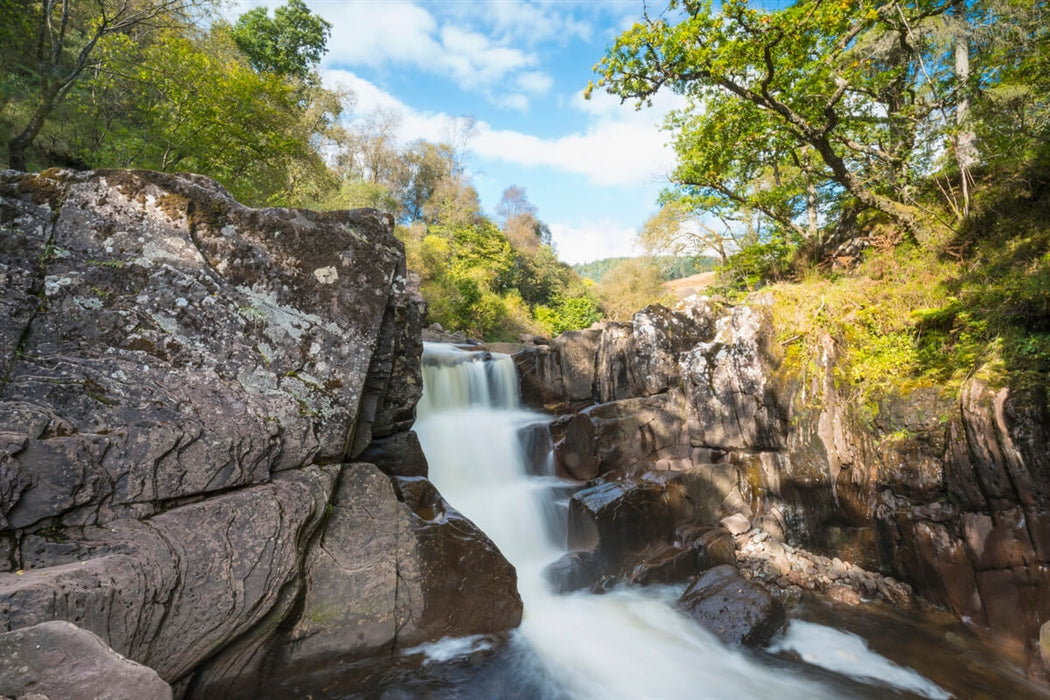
{"x": 593, "y": 169}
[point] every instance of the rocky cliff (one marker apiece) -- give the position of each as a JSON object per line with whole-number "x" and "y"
{"x": 694, "y": 416}
{"x": 206, "y": 454}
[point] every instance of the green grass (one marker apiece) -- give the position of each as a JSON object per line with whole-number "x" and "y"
{"x": 935, "y": 314}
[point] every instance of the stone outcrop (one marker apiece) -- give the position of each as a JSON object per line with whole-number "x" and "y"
{"x": 188, "y": 388}
{"x": 735, "y": 609}
{"x": 60, "y": 660}
{"x": 948, "y": 495}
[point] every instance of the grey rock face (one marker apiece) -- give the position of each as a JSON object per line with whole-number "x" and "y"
{"x": 948, "y": 494}
{"x": 730, "y": 397}
{"x": 170, "y": 590}
{"x": 174, "y": 342}
{"x": 183, "y": 382}
{"x": 60, "y": 660}
{"x": 626, "y": 435}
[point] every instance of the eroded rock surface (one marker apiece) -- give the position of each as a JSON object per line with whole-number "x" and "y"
{"x": 59, "y": 660}
{"x": 184, "y": 383}
{"x": 949, "y": 497}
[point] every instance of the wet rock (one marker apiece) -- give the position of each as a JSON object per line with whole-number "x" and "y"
{"x": 573, "y": 571}
{"x": 419, "y": 571}
{"x": 399, "y": 454}
{"x": 622, "y": 435}
{"x": 647, "y": 530}
{"x": 60, "y": 660}
{"x": 540, "y": 379}
{"x": 617, "y": 518}
{"x": 468, "y": 586}
{"x": 682, "y": 560}
{"x": 734, "y": 609}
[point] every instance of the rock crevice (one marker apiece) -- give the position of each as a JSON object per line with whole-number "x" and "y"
{"x": 950, "y": 497}
{"x": 188, "y": 385}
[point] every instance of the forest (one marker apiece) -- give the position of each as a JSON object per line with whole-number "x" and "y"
{"x": 169, "y": 85}
{"x": 882, "y": 167}
{"x": 889, "y": 160}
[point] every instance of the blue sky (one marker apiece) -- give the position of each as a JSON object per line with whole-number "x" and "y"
{"x": 592, "y": 168}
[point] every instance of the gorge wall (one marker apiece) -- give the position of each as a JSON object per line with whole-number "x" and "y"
{"x": 206, "y": 454}
{"x": 697, "y": 411}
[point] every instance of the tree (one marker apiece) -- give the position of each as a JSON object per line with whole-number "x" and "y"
{"x": 820, "y": 97}
{"x": 632, "y": 285}
{"x": 291, "y": 43}
{"x": 188, "y": 100}
{"x": 427, "y": 165}
{"x": 67, "y": 39}
{"x": 676, "y": 230}
{"x": 520, "y": 222}
{"x": 514, "y": 202}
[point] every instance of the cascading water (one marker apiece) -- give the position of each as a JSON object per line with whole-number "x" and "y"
{"x": 630, "y": 642}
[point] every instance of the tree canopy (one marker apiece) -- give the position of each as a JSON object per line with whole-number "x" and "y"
{"x": 291, "y": 42}
{"x": 799, "y": 114}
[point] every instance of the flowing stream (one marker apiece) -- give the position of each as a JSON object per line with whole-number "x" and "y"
{"x": 627, "y": 643}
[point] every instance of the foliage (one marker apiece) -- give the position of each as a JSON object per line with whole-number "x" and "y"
{"x": 62, "y": 46}
{"x": 163, "y": 94}
{"x": 477, "y": 281}
{"x": 816, "y": 110}
{"x": 632, "y": 285}
{"x": 910, "y": 315}
{"x": 756, "y": 264}
{"x": 194, "y": 105}
{"x": 292, "y": 42}
{"x": 568, "y": 313}
{"x": 671, "y": 267}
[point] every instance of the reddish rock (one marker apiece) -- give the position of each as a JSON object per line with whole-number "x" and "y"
{"x": 734, "y": 609}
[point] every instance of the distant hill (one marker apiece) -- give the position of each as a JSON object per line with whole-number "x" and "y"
{"x": 673, "y": 268}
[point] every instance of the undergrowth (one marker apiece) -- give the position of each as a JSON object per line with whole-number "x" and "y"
{"x": 911, "y": 315}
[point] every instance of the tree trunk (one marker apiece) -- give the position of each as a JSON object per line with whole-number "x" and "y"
{"x": 965, "y": 140}
{"x": 16, "y": 147}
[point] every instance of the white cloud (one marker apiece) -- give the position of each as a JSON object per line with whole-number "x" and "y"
{"x": 534, "y": 82}
{"x": 408, "y": 35}
{"x": 620, "y": 147}
{"x": 475, "y": 60}
{"x": 430, "y": 126}
{"x": 593, "y": 240}
{"x": 536, "y": 21}
{"x": 377, "y": 33}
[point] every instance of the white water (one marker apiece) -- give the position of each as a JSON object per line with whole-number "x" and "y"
{"x": 628, "y": 643}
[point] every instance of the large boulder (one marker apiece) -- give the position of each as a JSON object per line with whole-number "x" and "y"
{"x": 185, "y": 381}
{"x": 646, "y": 530}
{"x": 60, "y": 660}
{"x": 171, "y": 590}
{"x": 629, "y": 435}
{"x": 416, "y": 568}
{"x": 164, "y": 341}
{"x": 736, "y": 610}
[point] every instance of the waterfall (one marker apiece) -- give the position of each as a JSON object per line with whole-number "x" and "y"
{"x": 628, "y": 643}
